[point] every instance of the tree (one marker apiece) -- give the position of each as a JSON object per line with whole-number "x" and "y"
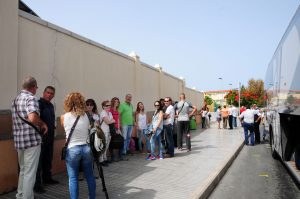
{"x": 253, "y": 94}
{"x": 208, "y": 100}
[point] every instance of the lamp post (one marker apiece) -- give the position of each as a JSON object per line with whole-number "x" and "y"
{"x": 239, "y": 98}
{"x": 222, "y": 98}
{"x": 230, "y": 88}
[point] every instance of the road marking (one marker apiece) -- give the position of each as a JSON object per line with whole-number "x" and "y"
{"x": 264, "y": 175}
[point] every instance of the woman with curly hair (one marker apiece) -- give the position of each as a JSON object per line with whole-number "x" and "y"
{"x": 78, "y": 151}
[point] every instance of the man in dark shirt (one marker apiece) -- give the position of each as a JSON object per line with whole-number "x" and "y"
{"x": 45, "y": 164}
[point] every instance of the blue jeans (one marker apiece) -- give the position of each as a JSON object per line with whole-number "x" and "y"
{"x": 156, "y": 138}
{"x": 249, "y": 127}
{"x": 234, "y": 124}
{"x": 148, "y": 147}
{"x": 76, "y": 155}
{"x": 141, "y": 135}
{"x": 126, "y": 131}
{"x": 170, "y": 142}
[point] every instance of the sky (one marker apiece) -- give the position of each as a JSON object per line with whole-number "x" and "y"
{"x": 199, "y": 40}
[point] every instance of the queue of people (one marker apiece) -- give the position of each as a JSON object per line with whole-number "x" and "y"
{"x": 250, "y": 119}
{"x": 34, "y": 127}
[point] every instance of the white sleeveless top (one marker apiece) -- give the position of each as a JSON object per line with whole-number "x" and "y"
{"x": 155, "y": 121}
{"x": 142, "y": 121}
{"x": 81, "y": 131}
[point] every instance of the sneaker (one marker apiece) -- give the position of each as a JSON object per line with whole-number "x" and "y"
{"x": 160, "y": 157}
{"x": 151, "y": 158}
{"x": 148, "y": 156}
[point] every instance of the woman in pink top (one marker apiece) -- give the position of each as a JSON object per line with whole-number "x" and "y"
{"x": 115, "y": 102}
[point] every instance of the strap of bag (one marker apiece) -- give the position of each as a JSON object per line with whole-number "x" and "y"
{"x": 71, "y": 132}
{"x": 26, "y": 121}
{"x": 181, "y": 108}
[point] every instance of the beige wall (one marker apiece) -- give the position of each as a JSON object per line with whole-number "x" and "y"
{"x": 73, "y": 63}
{"x": 8, "y": 51}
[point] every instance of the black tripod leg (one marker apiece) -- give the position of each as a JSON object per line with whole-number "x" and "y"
{"x": 100, "y": 170}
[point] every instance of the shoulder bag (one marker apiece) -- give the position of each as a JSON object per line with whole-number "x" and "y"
{"x": 26, "y": 121}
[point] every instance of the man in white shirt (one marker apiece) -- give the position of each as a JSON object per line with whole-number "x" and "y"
{"x": 183, "y": 116}
{"x": 247, "y": 120}
{"x": 234, "y": 113}
{"x": 168, "y": 125}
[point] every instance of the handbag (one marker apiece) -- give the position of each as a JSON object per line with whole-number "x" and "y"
{"x": 64, "y": 149}
{"x": 117, "y": 140}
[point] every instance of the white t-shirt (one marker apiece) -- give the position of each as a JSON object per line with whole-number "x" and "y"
{"x": 142, "y": 121}
{"x": 171, "y": 112}
{"x": 185, "y": 108}
{"x": 234, "y": 111}
{"x": 204, "y": 114}
{"x": 81, "y": 131}
{"x": 248, "y": 115}
{"x": 104, "y": 126}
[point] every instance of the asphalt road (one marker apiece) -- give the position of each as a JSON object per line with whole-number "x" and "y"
{"x": 255, "y": 174}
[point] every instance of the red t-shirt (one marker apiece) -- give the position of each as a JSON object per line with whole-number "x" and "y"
{"x": 115, "y": 115}
{"x": 242, "y": 110}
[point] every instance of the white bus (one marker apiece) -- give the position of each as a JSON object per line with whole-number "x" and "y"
{"x": 282, "y": 84}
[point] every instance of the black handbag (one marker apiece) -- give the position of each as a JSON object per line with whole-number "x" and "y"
{"x": 64, "y": 149}
{"x": 117, "y": 140}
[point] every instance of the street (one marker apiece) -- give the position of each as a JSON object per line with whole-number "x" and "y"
{"x": 255, "y": 174}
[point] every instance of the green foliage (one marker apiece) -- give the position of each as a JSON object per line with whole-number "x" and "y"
{"x": 208, "y": 100}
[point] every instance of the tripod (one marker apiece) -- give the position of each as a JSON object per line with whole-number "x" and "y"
{"x": 101, "y": 175}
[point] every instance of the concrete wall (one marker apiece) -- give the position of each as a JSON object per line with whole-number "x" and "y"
{"x": 73, "y": 63}
{"x": 8, "y": 51}
{"x": 69, "y": 62}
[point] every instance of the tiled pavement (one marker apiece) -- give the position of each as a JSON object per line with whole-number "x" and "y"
{"x": 188, "y": 175}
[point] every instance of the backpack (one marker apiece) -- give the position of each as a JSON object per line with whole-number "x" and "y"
{"x": 96, "y": 138}
{"x": 97, "y": 141}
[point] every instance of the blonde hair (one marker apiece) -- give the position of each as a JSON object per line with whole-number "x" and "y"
{"x": 75, "y": 103}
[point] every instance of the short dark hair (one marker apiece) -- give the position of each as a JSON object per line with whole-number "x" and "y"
{"x": 49, "y": 87}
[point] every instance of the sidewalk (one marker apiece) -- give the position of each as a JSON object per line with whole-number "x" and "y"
{"x": 188, "y": 175}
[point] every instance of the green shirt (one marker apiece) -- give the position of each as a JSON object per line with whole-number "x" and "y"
{"x": 126, "y": 113}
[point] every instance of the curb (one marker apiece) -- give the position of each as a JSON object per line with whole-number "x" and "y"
{"x": 212, "y": 181}
{"x": 293, "y": 171}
